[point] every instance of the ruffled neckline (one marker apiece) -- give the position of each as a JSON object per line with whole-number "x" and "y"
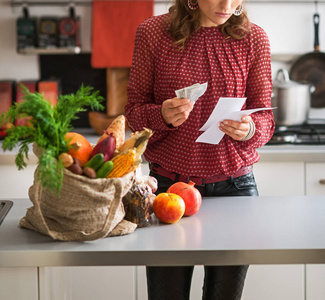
{"x": 214, "y": 30}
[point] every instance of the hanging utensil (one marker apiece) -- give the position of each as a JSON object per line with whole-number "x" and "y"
{"x": 310, "y": 68}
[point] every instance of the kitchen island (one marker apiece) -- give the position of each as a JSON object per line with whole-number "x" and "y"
{"x": 226, "y": 231}
{"x": 282, "y": 172}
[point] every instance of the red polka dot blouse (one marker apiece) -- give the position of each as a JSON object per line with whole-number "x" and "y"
{"x": 232, "y": 68}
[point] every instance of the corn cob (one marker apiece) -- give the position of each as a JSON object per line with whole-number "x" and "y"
{"x": 137, "y": 139}
{"x": 123, "y": 164}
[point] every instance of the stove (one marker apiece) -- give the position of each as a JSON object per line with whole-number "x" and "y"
{"x": 5, "y": 206}
{"x": 305, "y": 134}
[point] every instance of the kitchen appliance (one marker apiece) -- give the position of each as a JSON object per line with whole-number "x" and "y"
{"x": 304, "y": 134}
{"x": 48, "y": 32}
{"x": 311, "y": 68}
{"x": 69, "y": 30}
{"x": 5, "y": 206}
{"x": 26, "y": 31}
{"x": 291, "y": 98}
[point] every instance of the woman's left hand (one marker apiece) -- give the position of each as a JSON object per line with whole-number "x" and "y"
{"x": 236, "y": 130}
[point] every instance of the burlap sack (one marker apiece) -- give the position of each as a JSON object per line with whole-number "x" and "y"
{"x": 86, "y": 210}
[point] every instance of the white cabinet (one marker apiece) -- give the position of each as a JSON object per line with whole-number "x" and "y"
{"x": 18, "y": 284}
{"x": 280, "y": 178}
{"x": 315, "y": 274}
{"x": 315, "y": 178}
{"x": 315, "y": 282}
{"x": 270, "y": 282}
{"x": 87, "y": 283}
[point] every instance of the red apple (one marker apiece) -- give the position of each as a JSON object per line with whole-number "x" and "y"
{"x": 190, "y": 195}
{"x": 168, "y": 207}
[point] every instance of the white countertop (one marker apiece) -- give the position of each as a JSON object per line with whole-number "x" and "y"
{"x": 226, "y": 230}
{"x": 307, "y": 153}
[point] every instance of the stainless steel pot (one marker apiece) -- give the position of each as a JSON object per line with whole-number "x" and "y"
{"x": 291, "y": 98}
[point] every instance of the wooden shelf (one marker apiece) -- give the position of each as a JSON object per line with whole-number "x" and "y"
{"x": 69, "y": 50}
{"x": 285, "y": 58}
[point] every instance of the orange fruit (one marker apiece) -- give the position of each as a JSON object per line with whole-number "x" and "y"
{"x": 81, "y": 148}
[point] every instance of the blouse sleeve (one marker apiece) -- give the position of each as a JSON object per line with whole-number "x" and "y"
{"x": 259, "y": 90}
{"x": 141, "y": 109}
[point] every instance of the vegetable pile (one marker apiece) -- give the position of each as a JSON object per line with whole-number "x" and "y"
{"x": 57, "y": 147}
{"x": 47, "y": 128}
{"x": 112, "y": 156}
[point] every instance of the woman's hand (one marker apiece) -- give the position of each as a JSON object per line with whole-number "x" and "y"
{"x": 236, "y": 130}
{"x": 175, "y": 111}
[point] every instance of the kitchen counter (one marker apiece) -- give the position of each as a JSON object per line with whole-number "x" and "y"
{"x": 287, "y": 152}
{"x": 307, "y": 153}
{"x": 226, "y": 231}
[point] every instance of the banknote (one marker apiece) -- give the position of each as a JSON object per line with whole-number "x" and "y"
{"x": 192, "y": 92}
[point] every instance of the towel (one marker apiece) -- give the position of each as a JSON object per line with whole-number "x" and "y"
{"x": 114, "y": 25}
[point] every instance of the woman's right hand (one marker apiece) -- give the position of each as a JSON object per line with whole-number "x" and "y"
{"x": 175, "y": 111}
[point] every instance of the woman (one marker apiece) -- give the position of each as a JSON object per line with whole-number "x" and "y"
{"x": 196, "y": 42}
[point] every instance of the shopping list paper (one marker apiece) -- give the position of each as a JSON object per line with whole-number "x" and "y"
{"x": 226, "y": 108}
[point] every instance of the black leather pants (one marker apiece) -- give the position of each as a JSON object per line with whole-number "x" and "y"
{"x": 220, "y": 282}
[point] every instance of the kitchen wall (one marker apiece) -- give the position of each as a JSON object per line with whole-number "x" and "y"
{"x": 289, "y": 26}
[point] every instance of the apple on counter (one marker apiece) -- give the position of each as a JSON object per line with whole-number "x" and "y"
{"x": 181, "y": 199}
{"x": 168, "y": 207}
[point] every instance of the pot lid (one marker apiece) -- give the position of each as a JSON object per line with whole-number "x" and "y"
{"x": 285, "y": 82}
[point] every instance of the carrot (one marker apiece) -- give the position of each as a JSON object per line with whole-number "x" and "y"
{"x": 117, "y": 128}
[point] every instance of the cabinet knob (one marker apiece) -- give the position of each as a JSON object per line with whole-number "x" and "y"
{"x": 322, "y": 181}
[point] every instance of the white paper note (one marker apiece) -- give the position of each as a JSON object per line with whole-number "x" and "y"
{"x": 226, "y": 108}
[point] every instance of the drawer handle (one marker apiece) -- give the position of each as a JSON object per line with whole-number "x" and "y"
{"x": 322, "y": 181}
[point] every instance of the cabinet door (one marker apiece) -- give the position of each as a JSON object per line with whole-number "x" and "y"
{"x": 18, "y": 283}
{"x": 270, "y": 282}
{"x": 84, "y": 283}
{"x": 280, "y": 178}
{"x": 315, "y": 178}
{"x": 315, "y": 274}
{"x": 315, "y": 282}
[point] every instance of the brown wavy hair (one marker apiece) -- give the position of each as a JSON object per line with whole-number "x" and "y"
{"x": 184, "y": 21}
